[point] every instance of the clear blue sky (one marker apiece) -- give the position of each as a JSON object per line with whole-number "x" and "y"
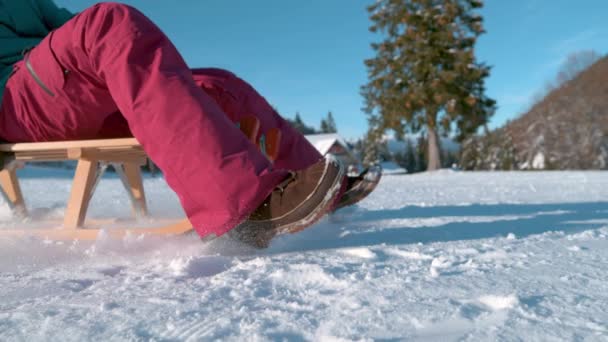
{"x": 307, "y": 56}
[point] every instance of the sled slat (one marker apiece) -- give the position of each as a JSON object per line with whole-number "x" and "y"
{"x": 62, "y": 234}
{"x": 126, "y": 155}
{"x": 64, "y": 145}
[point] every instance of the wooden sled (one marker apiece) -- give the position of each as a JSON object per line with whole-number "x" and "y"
{"x": 93, "y": 157}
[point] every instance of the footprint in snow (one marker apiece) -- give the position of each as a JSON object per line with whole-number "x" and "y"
{"x": 77, "y": 285}
{"x": 111, "y": 271}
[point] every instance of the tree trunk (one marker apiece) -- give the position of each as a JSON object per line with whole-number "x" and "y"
{"x": 434, "y": 159}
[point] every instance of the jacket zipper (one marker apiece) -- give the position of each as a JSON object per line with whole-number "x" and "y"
{"x": 30, "y": 69}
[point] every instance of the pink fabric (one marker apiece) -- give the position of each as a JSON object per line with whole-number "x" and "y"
{"x": 237, "y": 99}
{"x": 110, "y": 58}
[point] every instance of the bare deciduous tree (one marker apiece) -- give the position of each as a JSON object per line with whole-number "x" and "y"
{"x": 575, "y": 63}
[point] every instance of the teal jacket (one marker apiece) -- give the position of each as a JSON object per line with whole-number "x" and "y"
{"x": 23, "y": 24}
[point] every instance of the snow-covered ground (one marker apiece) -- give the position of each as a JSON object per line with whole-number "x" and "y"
{"x": 441, "y": 256}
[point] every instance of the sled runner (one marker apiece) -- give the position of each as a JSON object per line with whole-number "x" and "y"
{"x": 93, "y": 157}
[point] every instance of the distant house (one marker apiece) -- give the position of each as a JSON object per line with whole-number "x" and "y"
{"x": 334, "y": 144}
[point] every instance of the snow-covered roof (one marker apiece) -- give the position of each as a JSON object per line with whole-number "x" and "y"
{"x": 323, "y": 142}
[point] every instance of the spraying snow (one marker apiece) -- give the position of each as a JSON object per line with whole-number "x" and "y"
{"x": 436, "y": 256}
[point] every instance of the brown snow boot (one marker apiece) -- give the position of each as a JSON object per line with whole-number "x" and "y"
{"x": 359, "y": 187}
{"x": 297, "y": 202}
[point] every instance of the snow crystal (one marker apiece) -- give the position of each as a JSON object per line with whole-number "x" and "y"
{"x": 499, "y": 302}
{"x": 437, "y": 264}
{"x": 363, "y": 253}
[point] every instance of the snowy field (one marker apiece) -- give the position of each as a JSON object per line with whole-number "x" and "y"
{"x": 430, "y": 257}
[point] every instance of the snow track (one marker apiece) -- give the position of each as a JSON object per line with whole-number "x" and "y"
{"x": 439, "y": 256}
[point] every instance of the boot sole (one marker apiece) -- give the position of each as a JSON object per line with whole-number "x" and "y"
{"x": 259, "y": 235}
{"x": 366, "y": 189}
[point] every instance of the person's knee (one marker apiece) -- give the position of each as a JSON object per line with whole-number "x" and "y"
{"x": 120, "y": 14}
{"x": 117, "y": 9}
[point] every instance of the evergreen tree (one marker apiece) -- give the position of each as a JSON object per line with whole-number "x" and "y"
{"x": 324, "y": 128}
{"x": 331, "y": 123}
{"x": 410, "y": 157}
{"x": 449, "y": 158}
{"x": 425, "y": 75}
{"x": 372, "y": 147}
{"x": 406, "y": 158}
{"x": 298, "y": 124}
{"x": 298, "y": 120}
{"x": 328, "y": 125}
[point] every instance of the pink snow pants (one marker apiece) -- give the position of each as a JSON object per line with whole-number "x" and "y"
{"x": 111, "y": 72}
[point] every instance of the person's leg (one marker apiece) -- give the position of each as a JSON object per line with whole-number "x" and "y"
{"x": 112, "y": 58}
{"x": 238, "y": 98}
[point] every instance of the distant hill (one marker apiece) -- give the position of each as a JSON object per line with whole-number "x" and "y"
{"x": 567, "y": 129}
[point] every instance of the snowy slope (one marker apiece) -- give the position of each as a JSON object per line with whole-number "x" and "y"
{"x": 437, "y": 256}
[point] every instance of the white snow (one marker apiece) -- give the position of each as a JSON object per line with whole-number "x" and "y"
{"x": 539, "y": 161}
{"x": 364, "y": 253}
{"x": 499, "y": 302}
{"x": 436, "y": 256}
